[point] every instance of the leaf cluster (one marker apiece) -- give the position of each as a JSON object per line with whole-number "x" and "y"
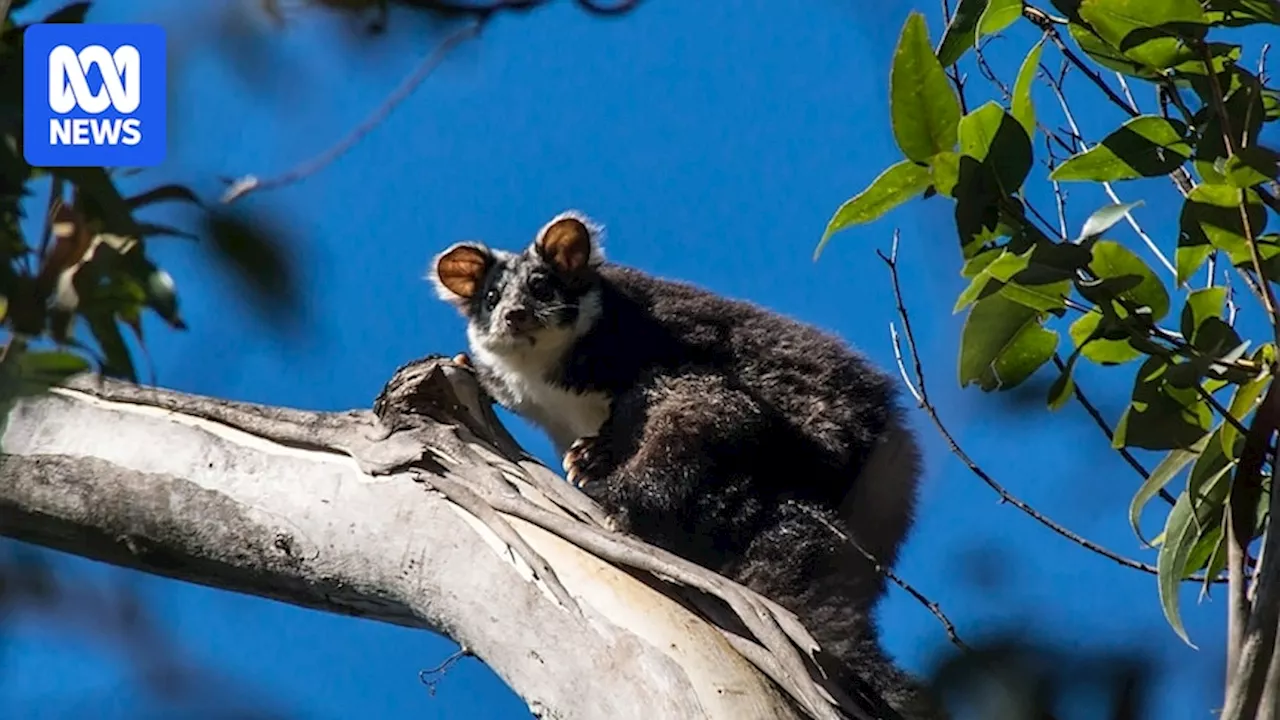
{"x": 87, "y": 267}
{"x": 1196, "y": 384}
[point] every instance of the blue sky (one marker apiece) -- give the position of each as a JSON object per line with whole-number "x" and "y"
{"x": 714, "y": 142}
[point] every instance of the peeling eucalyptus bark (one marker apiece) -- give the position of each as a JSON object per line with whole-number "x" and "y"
{"x": 348, "y": 513}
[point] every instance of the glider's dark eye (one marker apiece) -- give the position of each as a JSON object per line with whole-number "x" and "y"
{"x": 490, "y": 299}
{"x": 540, "y": 289}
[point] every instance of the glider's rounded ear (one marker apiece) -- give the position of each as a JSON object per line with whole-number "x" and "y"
{"x": 459, "y": 271}
{"x": 569, "y": 243}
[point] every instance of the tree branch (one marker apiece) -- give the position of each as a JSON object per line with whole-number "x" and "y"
{"x": 423, "y": 513}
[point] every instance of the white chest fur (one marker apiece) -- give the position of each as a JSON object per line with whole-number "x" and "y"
{"x": 563, "y": 414}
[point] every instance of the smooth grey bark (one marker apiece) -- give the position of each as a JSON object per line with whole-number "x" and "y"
{"x": 362, "y": 513}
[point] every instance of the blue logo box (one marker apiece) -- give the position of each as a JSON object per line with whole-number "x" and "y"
{"x": 93, "y": 95}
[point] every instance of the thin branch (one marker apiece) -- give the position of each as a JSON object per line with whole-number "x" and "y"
{"x": 1005, "y": 496}
{"x": 1102, "y": 424}
{"x": 431, "y": 677}
{"x": 1056, "y": 86}
{"x": 920, "y": 597}
{"x": 1233, "y": 147}
{"x": 1128, "y": 95}
{"x": 953, "y": 72}
{"x": 1045, "y": 23}
{"x": 249, "y": 183}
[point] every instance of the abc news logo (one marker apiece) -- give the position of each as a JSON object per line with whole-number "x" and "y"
{"x": 69, "y": 89}
{"x": 93, "y": 95}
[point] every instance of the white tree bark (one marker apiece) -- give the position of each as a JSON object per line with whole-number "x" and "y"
{"x": 411, "y": 514}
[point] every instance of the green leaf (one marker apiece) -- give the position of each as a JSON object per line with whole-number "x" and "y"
{"x": 1022, "y": 106}
{"x": 1100, "y": 349}
{"x": 1062, "y": 388}
{"x": 1113, "y": 260}
{"x": 944, "y": 171}
{"x": 1245, "y": 112}
{"x": 1246, "y": 397}
{"x": 959, "y": 35}
{"x": 1211, "y": 217}
{"x": 1146, "y": 146}
{"x": 1161, "y": 416}
{"x": 1153, "y": 34}
{"x": 1201, "y": 305}
{"x": 993, "y": 137}
{"x": 923, "y": 107}
{"x": 998, "y": 15}
{"x": 1105, "y": 55}
{"x": 1002, "y": 344}
{"x": 1252, "y": 165}
{"x": 1196, "y": 512}
{"x": 999, "y": 269}
{"x": 1238, "y": 13}
{"x": 1217, "y": 563}
{"x": 899, "y": 183}
{"x": 1160, "y": 477}
{"x": 1103, "y": 219}
{"x": 34, "y": 371}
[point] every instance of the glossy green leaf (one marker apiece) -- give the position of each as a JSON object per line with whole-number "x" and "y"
{"x": 1211, "y": 216}
{"x": 1002, "y": 344}
{"x": 1105, "y": 55}
{"x": 923, "y": 107}
{"x": 1201, "y": 305}
{"x": 1064, "y": 385}
{"x": 1113, "y": 260}
{"x": 959, "y": 35}
{"x": 994, "y": 273}
{"x": 944, "y": 171}
{"x": 1253, "y": 165}
{"x": 1085, "y": 333}
{"x": 1146, "y": 146}
{"x": 896, "y": 185}
{"x": 1197, "y": 510}
{"x": 1246, "y": 398}
{"x": 1161, "y": 416}
{"x": 1217, "y": 563}
{"x": 1022, "y": 107}
{"x": 998, "y": 15}
{"x": 1238, "y": 13}
{"x": 1246, "y": 113}
{"x": 1150, "y": 33}
{"x": 1160, "y": 477}
{"x": 993, "y": 137}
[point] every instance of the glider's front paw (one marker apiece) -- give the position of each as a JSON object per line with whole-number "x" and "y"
{"x": 582, "y": 460}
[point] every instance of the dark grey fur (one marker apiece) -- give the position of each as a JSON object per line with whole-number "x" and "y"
{"x": 733, "y": 436}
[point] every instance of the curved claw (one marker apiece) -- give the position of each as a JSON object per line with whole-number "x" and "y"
{"x": 575, "y": 459}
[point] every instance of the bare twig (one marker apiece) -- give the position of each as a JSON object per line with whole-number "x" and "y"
{"x": 1056, "y": 86}
{"x": 1102, "y": 424}
{"x": 953, "y": 72}
{"x": 1046, "y": 23}
{"x": 1233, "y": 147}
{"x": 1005, "y": 496}
{"x": 920, "y": 597}
{"x": 431, "y": 677}
{"x": 250, "y": 183}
